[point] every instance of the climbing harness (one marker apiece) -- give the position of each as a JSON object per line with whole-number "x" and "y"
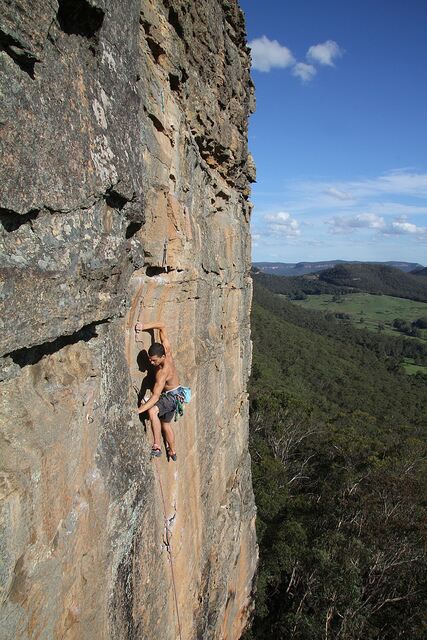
{"x": 168, "y": 544}
{"x": 182, "y": 395}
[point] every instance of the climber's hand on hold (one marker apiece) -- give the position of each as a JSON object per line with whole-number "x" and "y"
{"x": 139, "y": 328}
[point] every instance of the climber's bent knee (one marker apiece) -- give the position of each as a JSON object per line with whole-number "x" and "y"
{"x": 153, "y": 411}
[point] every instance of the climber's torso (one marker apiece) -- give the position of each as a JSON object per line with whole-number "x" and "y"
{"x": 167, "y": 373}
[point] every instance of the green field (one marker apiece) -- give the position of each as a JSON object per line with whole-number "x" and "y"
{"x": 369, "y": 311}
{"x": 411, "y": 368}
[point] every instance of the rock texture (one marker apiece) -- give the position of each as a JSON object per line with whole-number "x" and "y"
{"x": 124, "y": 197}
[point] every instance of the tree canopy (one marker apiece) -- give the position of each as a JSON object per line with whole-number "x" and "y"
{"x": 338, "y": 447}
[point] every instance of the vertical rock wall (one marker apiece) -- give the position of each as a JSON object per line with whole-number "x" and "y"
{"x": 123, "y": 196}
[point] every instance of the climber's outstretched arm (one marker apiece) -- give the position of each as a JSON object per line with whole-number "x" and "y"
{"x": 146, "y": 326}
{"x": 157, "y": 390}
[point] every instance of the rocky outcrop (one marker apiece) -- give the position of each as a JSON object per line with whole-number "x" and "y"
{"x": 124, "y": 197}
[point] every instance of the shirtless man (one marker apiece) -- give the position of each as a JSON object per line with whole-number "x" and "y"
{"x": 161, "y": 410}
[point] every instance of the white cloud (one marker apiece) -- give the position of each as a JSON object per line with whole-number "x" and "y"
{"x": 394, "y": 182}
{"x": 268, "y": 54}
{"x": 369, "y": 220}
{"x": 305, "y": 72}
{"x": 398, "y": 209}
{"x": 414, "y": 184}
{"x": 380, "y": 217}
{"x": 282, "y": 223}
{"x": 402, "y": 227}
{"x": 337, "y": 194}
{"x": 324, "y": 53}
{"x": 348, "y": 224}
{"x": 398, "y": 226}
{"x": 405, "y": 227}
{"x": 372, "y": 194}
{"x": 256, "y": 237}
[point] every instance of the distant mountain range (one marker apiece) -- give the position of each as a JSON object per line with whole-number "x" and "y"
{"x": 301, "y": 268}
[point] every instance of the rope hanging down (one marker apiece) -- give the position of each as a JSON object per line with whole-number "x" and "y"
{"x": 168, "y": 535}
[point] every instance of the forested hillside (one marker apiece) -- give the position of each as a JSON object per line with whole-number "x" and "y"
{"x": 339, "y": 467}
{"x": 344, "y": 278}
{"x": 385, "y": 346}
{"x": 376, "y": 278}
{"x": 419, "y": 272}
{"x": 301, "y": 268}
{"x": 295, "y": 286}
{"x": 421, "y": 275}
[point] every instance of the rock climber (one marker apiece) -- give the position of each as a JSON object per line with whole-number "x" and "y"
{"x": 162, "y": 404}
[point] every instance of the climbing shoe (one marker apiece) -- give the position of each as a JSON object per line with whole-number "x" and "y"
{"x": 171, "y": 456}
{"x": 156, "y": 452}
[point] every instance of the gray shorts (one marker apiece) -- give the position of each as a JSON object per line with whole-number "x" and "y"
{"x": 167, "y": 405}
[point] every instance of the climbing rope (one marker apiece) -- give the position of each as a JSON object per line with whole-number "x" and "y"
{"x": 168, "y": 535}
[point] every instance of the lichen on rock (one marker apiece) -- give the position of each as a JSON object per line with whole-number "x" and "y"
{"x": 125, "y": 180}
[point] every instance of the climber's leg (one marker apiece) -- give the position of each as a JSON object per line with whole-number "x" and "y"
{"x": 153, "y": 414}
{"x": 169, "y": 437}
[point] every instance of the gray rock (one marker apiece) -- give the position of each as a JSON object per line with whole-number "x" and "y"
{"x": 124, "y": 197}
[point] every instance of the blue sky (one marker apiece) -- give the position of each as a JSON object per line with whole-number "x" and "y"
{"x": 339, "y": 136}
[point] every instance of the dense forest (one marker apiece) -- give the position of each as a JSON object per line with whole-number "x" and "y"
{"x": 338, "y": 447}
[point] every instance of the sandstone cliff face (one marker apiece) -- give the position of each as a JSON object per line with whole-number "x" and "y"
{"x": 124, "y": 186}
